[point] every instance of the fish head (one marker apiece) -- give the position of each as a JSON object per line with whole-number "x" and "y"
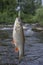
{"x": 18, "y": 22}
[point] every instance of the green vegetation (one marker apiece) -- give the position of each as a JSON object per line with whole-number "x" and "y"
{"x": 31, "y": 11}
{"x": 39, "y": 16}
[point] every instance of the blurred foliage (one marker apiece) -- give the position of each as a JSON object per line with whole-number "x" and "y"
{"x": 39, "y": 16}
{"x": 8, "y": 11}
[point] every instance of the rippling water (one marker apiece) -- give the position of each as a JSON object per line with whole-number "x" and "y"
{"x": 33, "y": 49}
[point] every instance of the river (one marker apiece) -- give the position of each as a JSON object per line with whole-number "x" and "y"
{"x": 33, "y": 49}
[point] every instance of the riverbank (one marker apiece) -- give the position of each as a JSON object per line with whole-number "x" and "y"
{"x": 35, "y": 26}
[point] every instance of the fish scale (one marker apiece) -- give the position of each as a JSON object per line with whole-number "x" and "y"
{"x": 18, "y": 36}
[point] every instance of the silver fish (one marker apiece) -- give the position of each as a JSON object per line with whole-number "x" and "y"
{"x": 18, "y": 37}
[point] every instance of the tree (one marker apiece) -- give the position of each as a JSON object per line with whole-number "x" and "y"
{"x": 8, "y": 9}
{"x": 38, "y": 3}
{"x": 39, "y": 16}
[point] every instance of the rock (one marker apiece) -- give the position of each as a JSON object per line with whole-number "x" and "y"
{"x": 37, "y": 29}
{"x": 28, "y": 32}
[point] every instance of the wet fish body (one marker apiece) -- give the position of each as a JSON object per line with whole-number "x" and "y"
{"x": 18, "y": 37}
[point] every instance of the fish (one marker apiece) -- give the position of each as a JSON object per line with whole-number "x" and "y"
{"x": 18, "y": 37}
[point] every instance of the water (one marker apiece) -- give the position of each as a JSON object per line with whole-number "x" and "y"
{"x": 33, "y": 49}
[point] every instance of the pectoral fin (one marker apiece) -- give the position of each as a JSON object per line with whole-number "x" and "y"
{"x": 16, "y": 49}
